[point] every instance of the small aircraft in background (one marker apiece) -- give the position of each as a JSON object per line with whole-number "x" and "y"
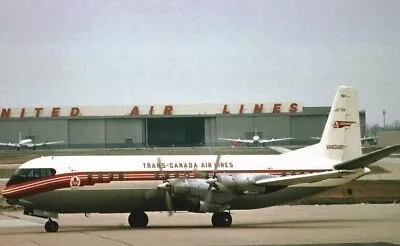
{"x": 255, "y": 140}
{"x": 369, "y": 140}
{"x": 364, "y": 140}
{"x": 28, "y": 143}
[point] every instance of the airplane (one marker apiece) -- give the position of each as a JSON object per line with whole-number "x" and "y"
{"x": 369, "y": 140}
{"x": 28, "y": 143}
{"x": 48, "y": 186}
{"x": 255, "y": 140}
{"x": 363, "y": 139}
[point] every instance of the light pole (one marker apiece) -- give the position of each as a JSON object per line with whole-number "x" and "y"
{"x": 384, "y": 118}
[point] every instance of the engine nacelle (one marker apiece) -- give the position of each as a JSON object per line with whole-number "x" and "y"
{"x": 188, "y": 186}
{"x": 241, "y": 183}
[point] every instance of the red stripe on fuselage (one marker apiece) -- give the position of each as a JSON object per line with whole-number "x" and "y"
{"x": 63, "y": 180}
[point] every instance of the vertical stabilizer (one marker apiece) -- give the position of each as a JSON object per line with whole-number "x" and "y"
{"x": 341, "y": 139}
{"x": 20, "y": 137}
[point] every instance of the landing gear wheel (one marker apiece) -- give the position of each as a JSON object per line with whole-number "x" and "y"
{"x": 138, "y": 219}
{"x": 221, "y": 219}
{"x": 51, "y": 226}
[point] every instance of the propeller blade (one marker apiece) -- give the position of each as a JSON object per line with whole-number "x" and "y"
{"x": 208, "y": 198}
{"x": 217, "y": 163}
{"x": 216, "y": 166}
{"x": 166, "y": 186}
{"x": 162, "y": 173}
{"x": 159, "y": 165}
{"x": 212, "y": 182}
{"x": 168, "y": 202}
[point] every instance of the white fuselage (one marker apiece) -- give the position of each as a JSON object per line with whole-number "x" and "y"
{"x": 25, "y": 142}
{"x": 70, "y": 164}
{"x": 109, "y": 193}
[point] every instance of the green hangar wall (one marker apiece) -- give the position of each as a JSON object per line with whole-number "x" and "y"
{"x": 126, "y": 131}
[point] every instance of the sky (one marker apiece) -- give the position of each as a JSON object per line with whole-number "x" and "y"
{"x": 93, "y": 53}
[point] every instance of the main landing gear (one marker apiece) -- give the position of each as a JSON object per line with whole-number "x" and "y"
{"x": 221, "y": 219}
{"x": 51, "y": 226}
{"x": 138, "y": 219}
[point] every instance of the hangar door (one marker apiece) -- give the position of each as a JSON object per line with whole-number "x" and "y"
{"x": 167, "y": 132}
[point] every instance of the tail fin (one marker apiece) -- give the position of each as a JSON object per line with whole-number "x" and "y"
{"x": 341, "y": 139}
{"x": 20, "y": 137}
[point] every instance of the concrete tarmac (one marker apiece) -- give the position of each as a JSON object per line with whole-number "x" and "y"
{"x": 283, "y": 225}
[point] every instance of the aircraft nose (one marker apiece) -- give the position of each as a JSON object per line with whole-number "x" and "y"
{"x": 4, "y": 193}
{"x": 3, "y": 189}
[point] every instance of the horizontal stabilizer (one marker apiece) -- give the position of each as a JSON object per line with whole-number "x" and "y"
{"x": 302, "y": 178}
{"x": 367, "y": 159}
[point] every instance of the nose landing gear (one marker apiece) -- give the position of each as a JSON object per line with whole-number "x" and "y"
{"x": 51, "y": 226}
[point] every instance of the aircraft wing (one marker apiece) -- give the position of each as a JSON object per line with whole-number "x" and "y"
{"x": 273, "y": 140}
{"x": 44, "y": 144}
{"x": 367, "y": 159}
{"x": 301, "y": 178}
{"x": 279, "y": 149}
{"x": 317, "y": 138}
{"x": 237, "y": 140}
{"x": 8, "y": 144}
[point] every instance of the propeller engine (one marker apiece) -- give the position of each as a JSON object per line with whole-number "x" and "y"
{"x": 215, "y": 184}
{"x": 183, "y": 186}
{"x": 166, "y": 186}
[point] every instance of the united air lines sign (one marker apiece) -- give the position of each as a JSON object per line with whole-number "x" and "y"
{"x": 149, "y": 110}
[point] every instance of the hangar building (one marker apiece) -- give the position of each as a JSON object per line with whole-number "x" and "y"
{"x": 163, "y": 125}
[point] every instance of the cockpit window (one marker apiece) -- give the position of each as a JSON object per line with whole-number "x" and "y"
{"x": 28, "y": 174}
